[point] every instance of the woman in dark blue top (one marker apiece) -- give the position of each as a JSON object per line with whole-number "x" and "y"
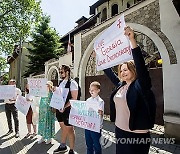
{"x": 129, "y": 106}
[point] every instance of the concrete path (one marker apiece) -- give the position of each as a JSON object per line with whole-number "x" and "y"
{"x": 11, "y": 145}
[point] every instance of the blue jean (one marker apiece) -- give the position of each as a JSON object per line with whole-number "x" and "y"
{"x": 92, "y": 142}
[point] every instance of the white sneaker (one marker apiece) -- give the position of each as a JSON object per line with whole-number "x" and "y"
{"x": 48, "y": 141}
{"x": 41, "y": 141}
{"x": 33, "y": 135}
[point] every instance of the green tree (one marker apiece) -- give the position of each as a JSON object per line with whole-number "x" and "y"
{"x": 45, "y": 46}
{"x": 17, "y": 17}
{"x": 2, "y": 63}
{"x": 5, "y": 79}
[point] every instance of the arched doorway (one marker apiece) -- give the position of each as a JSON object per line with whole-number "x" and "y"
{"x": 152, "y": 55}
{"x": 53, "y": 75}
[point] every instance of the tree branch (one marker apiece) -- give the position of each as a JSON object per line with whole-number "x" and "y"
{"x": 6, "y": 12}
{"x": 5, "y": 27}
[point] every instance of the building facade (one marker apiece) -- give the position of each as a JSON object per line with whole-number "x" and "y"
{"x": 18, "y": 62}
{"x": 156, "y": 24}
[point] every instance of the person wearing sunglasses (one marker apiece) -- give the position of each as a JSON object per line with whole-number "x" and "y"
{"x": 67, "y": 130}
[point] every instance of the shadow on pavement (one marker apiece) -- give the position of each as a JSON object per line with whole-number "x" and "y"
{"x": 160, "y": 144}
{"x": 5, "y": 150}
{"x": 3, "y": 139}
{"x": 80, "y": 143}
{"x": 40, "y": 148}
{"x": 2, "y": 107}
{"x": 27, "y": 141}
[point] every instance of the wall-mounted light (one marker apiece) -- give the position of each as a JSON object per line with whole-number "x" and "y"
{"x": 160, "y": 61}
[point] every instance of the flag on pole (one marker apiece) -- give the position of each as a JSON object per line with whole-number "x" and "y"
{"x": 69, "y": 44}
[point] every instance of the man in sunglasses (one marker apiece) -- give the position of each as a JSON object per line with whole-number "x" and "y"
{"x": 67, "y": 130}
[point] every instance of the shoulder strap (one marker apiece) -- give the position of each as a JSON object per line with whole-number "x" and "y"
{"x": 60, "y": 82}
{"x": 68, "y": 84}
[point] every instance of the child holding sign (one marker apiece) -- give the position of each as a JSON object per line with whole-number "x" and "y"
{"x": 92, "y": 138}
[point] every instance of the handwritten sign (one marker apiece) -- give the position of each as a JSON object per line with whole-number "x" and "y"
{"x": 57, "y": 100}
{"x": 7, "y": 92}
{"x": 84, "y": 115}
{"x": 38, "y": 87}
{"x": 112, "y": 47}
{"x": 22, "y": 104}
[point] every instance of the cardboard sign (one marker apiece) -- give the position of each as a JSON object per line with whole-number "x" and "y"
{"x": 57, "y": 100}
{"x": 7, "y": 91}
{"x": 112, "y": 47}
{"x": 22, "y": 104}
{"x": 84, "y": 115}
{"x": 38, "y": 87}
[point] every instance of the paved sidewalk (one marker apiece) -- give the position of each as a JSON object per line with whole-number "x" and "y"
{"x": 9, "y": 144}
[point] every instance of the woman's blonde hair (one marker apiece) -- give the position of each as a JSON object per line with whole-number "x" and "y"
{"x": 131, "y": 66}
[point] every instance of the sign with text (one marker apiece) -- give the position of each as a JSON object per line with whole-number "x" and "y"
{"x": 7, "y": 91}
{"x": 84, "y": 115}
{"x": 22, "y": 104}
{"x": 57, "y": 100}
{"x": 112, "y": 47}
{"x": 38, "y": 87}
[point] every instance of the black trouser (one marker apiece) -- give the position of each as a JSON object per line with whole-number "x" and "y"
{"x": 132, "y": 143}
{"x": 11, "y": 109}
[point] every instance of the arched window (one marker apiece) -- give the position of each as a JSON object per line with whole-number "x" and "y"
{"x": 104, "y": 14}
{"x": 114, "y": 10}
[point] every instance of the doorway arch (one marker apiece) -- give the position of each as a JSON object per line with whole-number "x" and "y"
{"x": 141, "y": 29}
{"x": 53, "y": 75}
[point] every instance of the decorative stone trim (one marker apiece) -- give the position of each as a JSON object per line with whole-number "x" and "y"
{"x": 150, "y": 19}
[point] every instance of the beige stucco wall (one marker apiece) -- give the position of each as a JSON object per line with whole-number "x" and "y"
{"x": 22, "y": 61}
{"x": 170, "y": 25}
{"x": 78, "y": 53}
{"x": 13, "y": 70}
{"x": 53, "y": 64}
{"x": 24, "y": 64}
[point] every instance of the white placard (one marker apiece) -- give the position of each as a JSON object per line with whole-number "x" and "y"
{"x": 84, "y": 115}
{"x": 57, "y": 100}
{"x": 22, "y": 104}
{"x": 112, "y": 47}
{"x": 38, "y": 87}
{"x": 7, "y": 91}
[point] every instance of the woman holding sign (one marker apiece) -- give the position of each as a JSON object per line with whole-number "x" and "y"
{"x": 46, "y": 126}
{"x": 132, "y": 103}
{"x": 32, "y": 115}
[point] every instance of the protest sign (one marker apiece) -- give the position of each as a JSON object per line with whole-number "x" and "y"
{"x": 84, "y": 115}
{"x": 22, "y": 104}
{"x": 112, "y": 47}
{"x": 57, "y": 100}
{"x": 7, "y": 91}
{"x": 38, "y": 87}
